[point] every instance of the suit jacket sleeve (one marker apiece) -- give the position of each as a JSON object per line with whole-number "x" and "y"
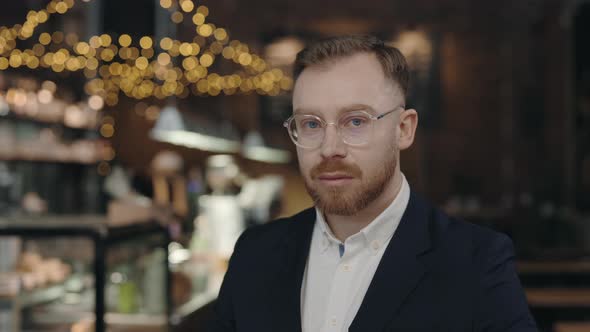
{"x": 223, "y": 313}
{"x": 501, "y": 304}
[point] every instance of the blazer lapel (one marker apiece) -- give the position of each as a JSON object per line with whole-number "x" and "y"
{"x": 399, "y": 271}
{"x": 286, "y": 290}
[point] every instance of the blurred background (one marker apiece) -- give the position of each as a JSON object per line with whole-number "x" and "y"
{"x": 139, "y": 138}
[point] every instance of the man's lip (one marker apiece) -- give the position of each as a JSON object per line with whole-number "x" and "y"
{"x": 334, "y": 176}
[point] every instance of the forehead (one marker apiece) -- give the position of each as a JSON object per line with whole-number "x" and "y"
{"x": 341, "y": 83}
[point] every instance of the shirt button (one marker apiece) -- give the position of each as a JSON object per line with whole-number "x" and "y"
{"x": 375, "y": 245}
{"x": 346, "y": 267}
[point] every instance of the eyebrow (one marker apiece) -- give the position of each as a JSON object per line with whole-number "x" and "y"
{"x": 348, "y": 108}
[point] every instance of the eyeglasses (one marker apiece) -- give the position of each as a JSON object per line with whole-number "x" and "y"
{"x": 355, "y": 128}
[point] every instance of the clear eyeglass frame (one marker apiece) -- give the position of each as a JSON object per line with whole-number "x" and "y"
{"x": 288, "y": 124}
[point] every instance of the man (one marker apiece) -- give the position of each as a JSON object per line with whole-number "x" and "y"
{"x": 371, "y": 255}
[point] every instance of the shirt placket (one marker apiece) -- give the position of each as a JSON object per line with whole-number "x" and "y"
{"x": 342, "y": 281}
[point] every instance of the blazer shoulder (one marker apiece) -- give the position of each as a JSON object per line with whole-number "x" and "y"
{"x": 479, "y": 238}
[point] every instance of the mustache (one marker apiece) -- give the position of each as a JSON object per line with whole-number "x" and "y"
{"x": 329, "y": 166}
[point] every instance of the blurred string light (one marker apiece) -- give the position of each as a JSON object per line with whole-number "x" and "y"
{"x": 41, "y": 104}
{"x": 121, "y": 65}
{"x": 28, "y": 99}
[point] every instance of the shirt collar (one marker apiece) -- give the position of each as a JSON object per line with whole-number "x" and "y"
{"x": 327, "y": 237}
{"x": 378, "y": 232}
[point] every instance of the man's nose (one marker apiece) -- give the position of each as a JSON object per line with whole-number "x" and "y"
{"x": 332, "y": 146}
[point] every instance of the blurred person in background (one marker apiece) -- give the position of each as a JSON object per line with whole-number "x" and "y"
{"x": 371, "y": 255}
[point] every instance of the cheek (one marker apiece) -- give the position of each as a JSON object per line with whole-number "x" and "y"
{"x": 373, "y": 160}
{"x": 305, "y": 159}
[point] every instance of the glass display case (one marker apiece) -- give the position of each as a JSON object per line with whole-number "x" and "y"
{"x": 78, "y": 273}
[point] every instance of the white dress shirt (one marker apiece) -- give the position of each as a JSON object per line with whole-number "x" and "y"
{"x": 337, "y": 275}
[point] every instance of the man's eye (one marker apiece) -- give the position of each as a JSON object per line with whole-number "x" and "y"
{"x": 355, "y": 122}
{"x": 311, "y": 124}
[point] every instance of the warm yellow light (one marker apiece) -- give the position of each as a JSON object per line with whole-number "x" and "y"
{"x": 44, "y": 96}
{"x": 145, "y": 42}
{"x": 134, "y": 53}
{"x": 107, "y": 130}
{"x": 189, "y": 63}
{"x": 206, "y": 60}
{"x": 81, "y": 61}
{"x": 39, "y": 50}
{"x": 141, "y": 63}
{"x": 196, "y": 48}
{"x": 72, "y": 64}
{"x": 59, "y": 57}
{"x": 92, "y": 64}
{"x": 228, "y": 52}
{"x": 268, "y": 77}
{"x": 245, "y": 59}
{"x": 72, "y": 38}
{"x": 166, "y": 43}
{"x": 136, "y": 79}
{"x": 42, "y": 16}
{"x": 148, "y": 53}
{"x": 177, "y": 17}
{"x": 186, "y": 49}
{"x": 213, "y": 91}
{"x": 124, "y": 53}
{"x": 235, "y": 44}
{"x": 216, "y": 47}
{"x": 203, "y": 10}
{"x": 89, "y": 73}
{"x": 108, "y": 153}
{"x": 125, "y": 40}
{"x": 4, "y": 63}
{"x": 198, "y": 19}
{"x": 202, "y": 86}
{"x": 82, "y": 48}
{"x": 14, "y": 31}
{"x": 201, "y": 71}
{"x": 220, "y": 34}
{"x": 95, "y": 42}
{"x": 175, "y": 49}
{"x": 61, "y": 7}
{"x": 32, "y": 16}
{"x": 26, "y": 32}
{"x": 277, "y": 74}
{"x": 163, "y": 59}
{"x": 152, "y": 113}
{"x": 115, "y": 69}
{"x": 286, "y": 83}
{"x": 103, "y": 71}
{"x": 15, "y": 61}
{"x": 57, "y": 37}
{"x": 205, "y": 30}
{"x": 112, "y": 99}
{"x": 58, "y": 67}
{"x": 105, "y": 40}
{"x": 107, "y": 54}
{"x": 48, "y": 58}
{"x": 187, "y": 6}
{"x": 96, "y": 102}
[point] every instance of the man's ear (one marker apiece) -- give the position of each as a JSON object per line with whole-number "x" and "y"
{"x": 408, "y": 122}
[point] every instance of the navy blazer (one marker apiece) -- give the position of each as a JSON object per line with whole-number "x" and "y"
{"x": 437, "y": 274}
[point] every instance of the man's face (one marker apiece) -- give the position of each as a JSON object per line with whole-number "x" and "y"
{"x": 344, "y": 179}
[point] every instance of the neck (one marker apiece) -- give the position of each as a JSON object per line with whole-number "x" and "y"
{"x": 345, "y": 226}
